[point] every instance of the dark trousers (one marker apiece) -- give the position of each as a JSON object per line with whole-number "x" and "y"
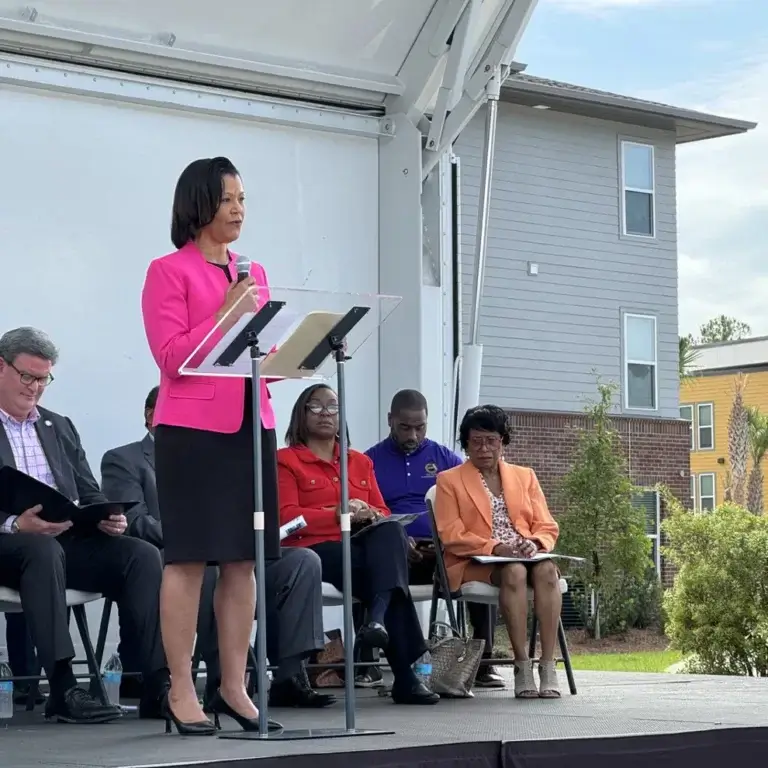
{"x": 125, "y": 570}
{"x": 293, "y": 584}
{"x": 380, "y": 565}
{"x": 482, "y": 617}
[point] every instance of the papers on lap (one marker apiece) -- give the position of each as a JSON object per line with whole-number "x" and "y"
{"x": 496, "y": 560}
{"x": 19, "y": 492}
{"x": 402, "y": 519}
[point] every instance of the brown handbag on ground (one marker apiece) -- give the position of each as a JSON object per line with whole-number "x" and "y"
{"x": 333, "y": 653}
{"x": 455, "y": 661}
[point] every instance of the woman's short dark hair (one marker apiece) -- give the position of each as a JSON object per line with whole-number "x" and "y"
{"x": 198, "y": 197}
{"x": 486, "y": 418}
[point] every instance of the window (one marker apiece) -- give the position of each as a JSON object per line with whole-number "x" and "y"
{"x": 650, "y": 503}
{"x": 640, "y": 362}
{"x": 705, "y": 417}
{"x": 707, "y": 492}
{"x": 638, "y": 186}
{"x": 686, "y": 414}
{"x": 693, "y": 492}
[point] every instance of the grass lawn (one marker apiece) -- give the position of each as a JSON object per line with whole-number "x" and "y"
{"x": 639, "y": 661}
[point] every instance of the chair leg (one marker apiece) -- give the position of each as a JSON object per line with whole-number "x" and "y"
{"x": 566, "y": 657}
{"x": 82, "y": 625}
{"x": 101, "y": 640}
{"x": 532, "y": 641}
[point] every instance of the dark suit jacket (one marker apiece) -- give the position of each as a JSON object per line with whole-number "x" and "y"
{"x": 66, "y": 457}
{"x": 128, "y": 474}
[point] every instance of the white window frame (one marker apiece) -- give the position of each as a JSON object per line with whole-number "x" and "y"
{"x": 690, "y": 407}
{"x": 625, "y": 188}
{"x": 711, "y": 407}
{"x": 694, "y": 483}
{"x": 655, "y": 537}
{"x": 700, "y": 496}
{"x": 654, "y": 363}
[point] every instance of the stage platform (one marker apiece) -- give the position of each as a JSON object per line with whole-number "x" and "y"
{"x": 474, "y": 732}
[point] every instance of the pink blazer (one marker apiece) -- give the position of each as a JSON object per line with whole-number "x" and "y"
{"x": 181, "y": 296}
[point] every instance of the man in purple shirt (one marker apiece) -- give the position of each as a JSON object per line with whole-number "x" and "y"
{"x": 407, "y": 464}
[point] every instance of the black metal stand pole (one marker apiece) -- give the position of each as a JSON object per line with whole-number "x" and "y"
{"x": 346, "y": 534}
{"x": 258, "y": 528}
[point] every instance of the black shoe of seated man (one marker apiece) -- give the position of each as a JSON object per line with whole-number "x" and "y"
{"x": 78, "y": 706}
{"x": 297, "y": 692}
{"x": 489, "y": 677}
{"x": 374, "y": 635}
{"x": 418, "y": 693}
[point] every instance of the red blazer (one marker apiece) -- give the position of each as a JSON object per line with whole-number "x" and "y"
{"x": 181, "y": 296}
{"x": 309, "y": 486}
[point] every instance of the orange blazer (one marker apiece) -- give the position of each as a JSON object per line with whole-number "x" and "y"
{"x": 463, "y": 514}
{"x": 309, "y": 486}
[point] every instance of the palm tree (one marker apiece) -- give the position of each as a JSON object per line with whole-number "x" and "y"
{"x": 758, "y": 447}
{"x": 687, "y": 356}
{"x": 738, "y": 442}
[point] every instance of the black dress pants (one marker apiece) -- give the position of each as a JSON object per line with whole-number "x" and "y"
{"x": 123, "y": 569}
{"x": 380, "y": 564}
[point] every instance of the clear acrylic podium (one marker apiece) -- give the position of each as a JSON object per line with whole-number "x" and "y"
{"x": 294, "y": 334}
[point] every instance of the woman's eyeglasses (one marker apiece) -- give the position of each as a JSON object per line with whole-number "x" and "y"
{"x": 492, "y": 442}
{"x": 332, "y": 409}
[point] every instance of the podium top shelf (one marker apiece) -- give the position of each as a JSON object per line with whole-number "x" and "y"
{"x": 294, "y": 330}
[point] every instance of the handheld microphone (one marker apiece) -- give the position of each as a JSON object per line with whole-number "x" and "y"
{"x": 243, "y": 265}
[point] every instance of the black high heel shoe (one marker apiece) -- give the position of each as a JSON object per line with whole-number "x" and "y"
{"x": 218, "y": 707}
{"x": 198, "y": 728}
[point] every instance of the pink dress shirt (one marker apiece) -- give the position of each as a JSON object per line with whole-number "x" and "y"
{"x": 182, "y": 294}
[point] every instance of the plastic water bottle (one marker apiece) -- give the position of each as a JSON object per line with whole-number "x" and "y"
{"x": 112, "y": 676}
{"x": 6, "y": 688}
{"x": 423, "y": 668}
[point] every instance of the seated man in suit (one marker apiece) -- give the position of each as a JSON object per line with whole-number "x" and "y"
{"x": 293, "y": 583}
{"x": 407, "y": 464}
{"x": 42, "y": 559}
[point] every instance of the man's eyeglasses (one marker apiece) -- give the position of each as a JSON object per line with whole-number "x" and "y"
{"x": 332, "y": 409}
{"x": 28, "y": 379}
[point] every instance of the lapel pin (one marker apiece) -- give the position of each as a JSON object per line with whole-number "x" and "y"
{"x": 48, "y": 423}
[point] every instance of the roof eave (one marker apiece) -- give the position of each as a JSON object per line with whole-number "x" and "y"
{"x": 688, "y": 125}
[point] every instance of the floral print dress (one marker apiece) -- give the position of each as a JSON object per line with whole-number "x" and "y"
{"x": 502, "y": 529}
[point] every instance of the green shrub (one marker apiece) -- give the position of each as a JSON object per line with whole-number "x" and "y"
{"x": 718, "y": 607}
{"x": 600, "y": 523}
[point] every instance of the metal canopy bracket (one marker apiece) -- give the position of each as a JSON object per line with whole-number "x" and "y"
{"x": 487, "y": 71}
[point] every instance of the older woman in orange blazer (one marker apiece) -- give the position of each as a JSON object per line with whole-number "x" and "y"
{"x": 489, "y": 507}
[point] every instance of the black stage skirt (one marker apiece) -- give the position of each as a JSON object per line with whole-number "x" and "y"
{"x": 206, "y": 496}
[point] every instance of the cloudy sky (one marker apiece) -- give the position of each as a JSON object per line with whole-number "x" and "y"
{"x": 710, "y": 55}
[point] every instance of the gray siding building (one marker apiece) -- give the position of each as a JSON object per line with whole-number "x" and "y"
{"x": 581, "y": 276}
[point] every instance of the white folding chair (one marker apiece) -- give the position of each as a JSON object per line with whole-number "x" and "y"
{"x": 10, "y": 602}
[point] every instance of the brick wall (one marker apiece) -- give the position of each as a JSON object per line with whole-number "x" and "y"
{"x": 657, "y": 451}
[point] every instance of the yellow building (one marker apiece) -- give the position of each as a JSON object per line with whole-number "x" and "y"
{"x": 705, "y": 401}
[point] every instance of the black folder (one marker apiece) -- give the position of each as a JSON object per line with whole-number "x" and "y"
{"x": 19, "y": 492}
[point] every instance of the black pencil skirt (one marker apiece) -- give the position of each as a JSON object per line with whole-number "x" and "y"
{"x": 206, "y": 495}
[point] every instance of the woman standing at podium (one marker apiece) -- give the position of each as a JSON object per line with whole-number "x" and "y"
{"x": 203, "y": 441}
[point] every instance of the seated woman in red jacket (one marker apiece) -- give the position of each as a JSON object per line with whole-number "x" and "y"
{"x": 308, "y": 485}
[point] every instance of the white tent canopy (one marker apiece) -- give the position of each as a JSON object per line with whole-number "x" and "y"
{"x": 396, "y": 56}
